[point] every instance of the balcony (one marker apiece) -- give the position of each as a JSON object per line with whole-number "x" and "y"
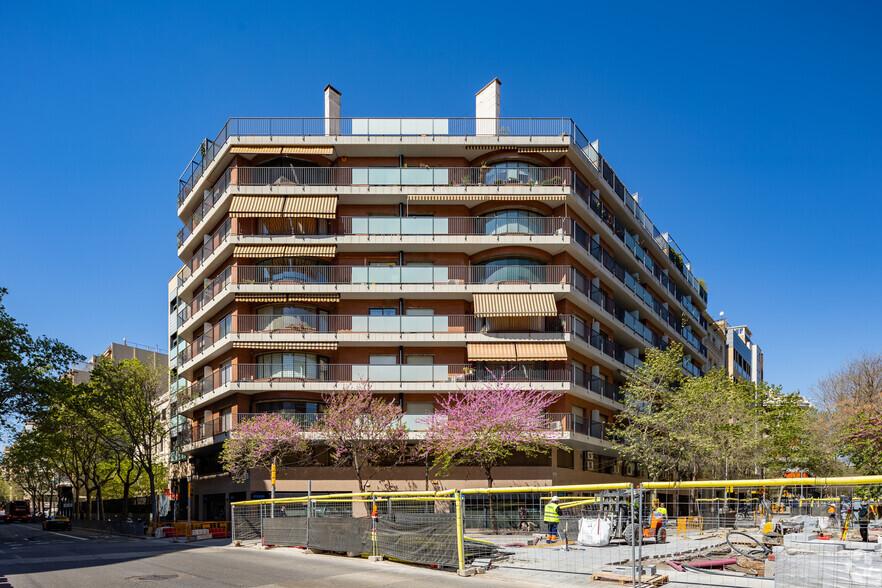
{"x": 236, "y": 177}
{"x": 315, "y": 326}
{"x": 324, "y": 377}
{"x": 207, "y": 433}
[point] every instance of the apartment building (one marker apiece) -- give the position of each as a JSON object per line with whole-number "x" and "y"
{"x": 417, "y": 254}
{"x": 744, "y": 358}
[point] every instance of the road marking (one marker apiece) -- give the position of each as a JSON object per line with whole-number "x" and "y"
{"x": 71, "y": 536}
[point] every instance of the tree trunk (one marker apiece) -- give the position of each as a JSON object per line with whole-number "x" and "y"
{"x": 88, "y": 503}
{"x": 151, "y": 476}
{"x": 125, "y": 498}
{"x": 99, "y": 503}
{"x": 493, "y": 522}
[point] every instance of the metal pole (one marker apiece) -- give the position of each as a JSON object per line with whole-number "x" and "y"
{"x": 459, "y": 534}
{"x": 640, "y": 529}
{"x": 631, "y": 539}
{"x": 308, "y": 508}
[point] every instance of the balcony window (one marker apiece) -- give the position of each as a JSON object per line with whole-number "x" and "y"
{"x": 514, "y": 222}
{"x": 290, "y": 407}
{"x": 512, "y": 172}
{"x": 294, "y": 318}
{"x": 513, "y": 269}
{"x": 306, "y": 366}
{"x": 292, "y": 226}
{"x": 292, "y": 269}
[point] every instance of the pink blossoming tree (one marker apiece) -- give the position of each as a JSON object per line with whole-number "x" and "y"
{"x": 259, "y": 441}
{"x": 485, "y": 427}
{"x": 364, "y": 432}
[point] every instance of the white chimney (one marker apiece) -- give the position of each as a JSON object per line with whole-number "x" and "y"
{"x": 332, "y": 110}
{"x": 487, "y": 103}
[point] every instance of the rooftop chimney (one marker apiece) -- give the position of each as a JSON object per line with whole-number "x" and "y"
{"x": 487, "y": 103}
{"x": 332, "y": 110}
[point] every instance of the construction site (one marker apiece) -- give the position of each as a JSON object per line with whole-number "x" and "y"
{"x": 782, "y": 533}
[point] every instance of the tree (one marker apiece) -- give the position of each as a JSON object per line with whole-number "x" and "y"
{"x": 853, "y": 389}
{"x": 485, "y": 427}
{"x": 259, "y": 442}
{"x": 30, "y": 369}
{"x": 127, "y": 395}
{"x": 862, "y": 443}
{"x": 644, "y": 430}
{"x": 28, "y": 463}
{"x": 364, "y": 432}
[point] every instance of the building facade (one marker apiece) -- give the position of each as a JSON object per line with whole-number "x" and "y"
{"x": 418, "y": 255}
{"x": 744, "y": 358}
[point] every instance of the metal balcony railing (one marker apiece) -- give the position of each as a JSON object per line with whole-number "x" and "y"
{"x": 456, "y": 226}
{"x": 576, "y": 424}
{"x": 380, "y": 176}
{"x": 319, "y": 324}
{"x": 312, "y": 372}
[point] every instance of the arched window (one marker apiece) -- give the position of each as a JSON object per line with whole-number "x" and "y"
{"x": 514, "y": 222}
{"x": 512, "y": 172}
{"x": 513, "y": 269}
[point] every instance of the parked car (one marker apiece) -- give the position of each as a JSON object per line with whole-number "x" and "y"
{"x": 57, "y": 522}
{"x": 3, "y": 518}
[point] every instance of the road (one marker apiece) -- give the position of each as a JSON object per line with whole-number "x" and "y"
{"x": 33, "y": 558}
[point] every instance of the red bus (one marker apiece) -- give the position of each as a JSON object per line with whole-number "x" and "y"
{"x": 18, "y": 510}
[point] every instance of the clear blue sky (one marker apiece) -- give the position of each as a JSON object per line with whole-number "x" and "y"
{"x": 750, "y": 130}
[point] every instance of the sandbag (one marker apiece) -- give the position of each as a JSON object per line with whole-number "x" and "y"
{"x": 594, "y": 532}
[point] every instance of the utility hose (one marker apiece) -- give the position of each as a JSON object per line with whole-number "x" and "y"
{"x": 754, "y": 552}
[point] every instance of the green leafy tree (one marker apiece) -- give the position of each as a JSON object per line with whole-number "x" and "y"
{"x": 122, "y": 405}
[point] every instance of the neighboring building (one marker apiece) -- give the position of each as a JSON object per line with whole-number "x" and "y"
{"x": 744, "y": 358}
{"x": 716, "y": 345}
{"x": 413, "y": 253}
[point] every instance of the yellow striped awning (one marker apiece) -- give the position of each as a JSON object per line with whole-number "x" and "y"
{"x": 308, "y": 150}
{"x": 256, "y": 149}
{"x": 299, "y": 150}
{"x": 542, "y": 149}
{"x": 288, "y": 298}
{"x": 310, "y": 206}
{"x": 436, "y": 197}
{"x": 283, "y": 206}
{"x": 492, "y": 352}
{"x": 487, "y": 305}
{"x": 284, "y": 250}
{"x": 541, "y": 351}
{"x": 256, "y": 205}
{"x": 285, "y": 345}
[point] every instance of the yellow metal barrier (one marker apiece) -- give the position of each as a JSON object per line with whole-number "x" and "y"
{"x": 689, "y": 524}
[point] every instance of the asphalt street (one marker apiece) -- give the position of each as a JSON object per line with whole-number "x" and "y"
{"x": 33, "y": 558}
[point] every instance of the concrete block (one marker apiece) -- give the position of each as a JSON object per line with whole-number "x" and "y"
{"x": 352, "y": 554}
{"x": 769, "y": 570}
{"x": 825, "y": 546}
{"x": 467, "y": 572}
{"x": 375, "y": 558}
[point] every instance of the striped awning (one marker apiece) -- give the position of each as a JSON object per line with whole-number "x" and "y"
{"x": 283, "y": 206}
{"x": 310, "y": 206}
{"x": 256, "y": 149}
{"x": 437, "y": 197}
{"x": 541, "y": 351}
{"x": 542, "y": 149}
{"x": 285, "y": 345}
{"x": 492, "y": 352}
{"x": 288, "y": 298}
{"x": 487, "y": 305}
{"x": 277, "y": 150}
{"x": 308, "y": 150}
{"x": 284, "y": 250}
{"x": 517, "y": 351}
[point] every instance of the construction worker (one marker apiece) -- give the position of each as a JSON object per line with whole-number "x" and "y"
{"x": 831, "y": 512}
{"x": 552, "y": 517}
{"x": 863, "y": 514}
{"x": 661, "y": 512}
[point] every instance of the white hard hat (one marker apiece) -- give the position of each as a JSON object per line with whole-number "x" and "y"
{"x": 555, "y": 499}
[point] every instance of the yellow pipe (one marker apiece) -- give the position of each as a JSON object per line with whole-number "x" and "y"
{"x": 459, "y": 535}
{"x": 841, "y": 481}
{"x": 577, "y": 488}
